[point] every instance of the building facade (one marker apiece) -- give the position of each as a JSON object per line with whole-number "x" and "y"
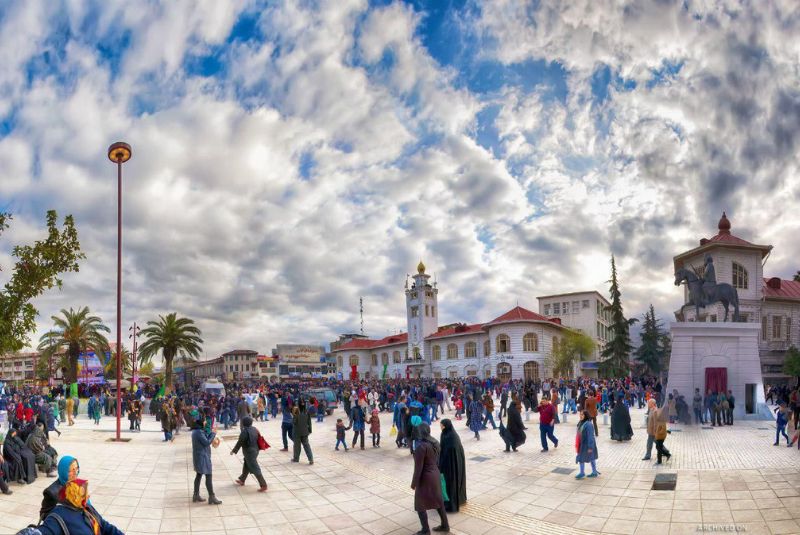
{"x": 204, "y": 369}
{"x": 18, "y": 367}
{"x": 772, "y": 303}
{"x": 515, "y": 345}
{"x": 586, "y": 312}
{"x": 241, "y": 364}
{"x": 301, "y": 361}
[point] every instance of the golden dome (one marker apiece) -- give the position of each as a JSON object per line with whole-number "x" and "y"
{"x": 421, "y": 268}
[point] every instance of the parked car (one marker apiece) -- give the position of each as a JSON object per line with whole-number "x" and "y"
{"x": 322, "y": 393}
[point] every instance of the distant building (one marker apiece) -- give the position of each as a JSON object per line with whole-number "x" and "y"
{"x": 241, "y": 364}
{"x": 515, "y": 345}
{"x": 772, "y": 302}
{"x": 267, "y": 367}
{"x": 204, "y": 369}
{"x": 301, "y": 361}
{"x": 586, "y": 312}
{"x": 19, "y": 367}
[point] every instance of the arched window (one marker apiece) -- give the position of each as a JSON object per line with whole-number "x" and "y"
{"x": 739, "y": 276}
{"x": 437, "y": 353}
{"x": 470, "y": 350}
{"x": 486, "y": 349}
{"x": 452, "y": 351}
{"x": 340, "y": 361}
{"x": 374, "y": 359}
{"x": 353, "y": 360}
{"x": 503, "y": 343}
{"x": 384, "y": 359}
{"x": 530, "y": 342}
{"x": 396, "y": 357}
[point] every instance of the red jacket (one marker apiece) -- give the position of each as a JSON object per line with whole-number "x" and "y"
{"x": 547, "y": 414}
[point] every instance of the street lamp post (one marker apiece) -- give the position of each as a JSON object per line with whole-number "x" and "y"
{"x": 119, "y": 153}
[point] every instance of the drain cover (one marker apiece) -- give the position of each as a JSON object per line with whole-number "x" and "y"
{"x": 479, "y": 459}
{"x": 706, "y": 428}
{"x": 665, "y": 482}
{"x": 763, "y": 428}
{"x": 565, "y": 471}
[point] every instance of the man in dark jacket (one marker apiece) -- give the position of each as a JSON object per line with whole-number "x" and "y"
{"x": 242, "y": 410}
{"x": 248, "y": 443}
{"x": 301, "y": 427}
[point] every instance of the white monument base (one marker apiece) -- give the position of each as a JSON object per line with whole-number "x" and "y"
{"x": 697, "y": 346}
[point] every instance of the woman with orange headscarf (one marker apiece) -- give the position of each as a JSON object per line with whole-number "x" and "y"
{"x": 75, "y": 515}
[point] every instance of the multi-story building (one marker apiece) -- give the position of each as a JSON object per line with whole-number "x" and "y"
{"x": 18, "y": 367}
{"x": 300, "y": 361}
{"x": 241, "y": 364}
{"x": 267, "y": 367}
{"x": 586, "y": 312}
{"x": 771, "y": 302}
{"x": 204, "y": 369}
{"x": 516, "y": 344}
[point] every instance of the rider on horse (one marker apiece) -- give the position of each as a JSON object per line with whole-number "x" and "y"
{"x": 709, "y": 279}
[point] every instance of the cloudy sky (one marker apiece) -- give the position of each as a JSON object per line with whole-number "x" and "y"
{"x": 290, "y": 157}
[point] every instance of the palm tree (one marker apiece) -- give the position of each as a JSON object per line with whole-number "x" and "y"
{"x": 172, "y": 336}
{"x": 73, "y": 333}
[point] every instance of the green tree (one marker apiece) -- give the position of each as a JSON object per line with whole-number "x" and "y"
{"x": 574, "y": 347}
{"x": 146, "y": 369}
{"x": 796, "y": 277}
{"x": 172, "y": 336}
{"x": 652, "y": 352}
{"x": 791, "y": 363}
{"x": 73, "y": 333}
{"x": 37, "y": 269}
{"x": 615, "y": 354}
{"x": 110, "y": 369}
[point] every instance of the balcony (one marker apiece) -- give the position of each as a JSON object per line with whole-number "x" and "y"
{"x": 778, "y": 345}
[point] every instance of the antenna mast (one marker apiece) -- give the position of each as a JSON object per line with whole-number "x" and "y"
{"x": 361, "y": 310}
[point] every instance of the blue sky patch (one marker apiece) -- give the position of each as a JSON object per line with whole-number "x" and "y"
{"x": 307, "y": 165}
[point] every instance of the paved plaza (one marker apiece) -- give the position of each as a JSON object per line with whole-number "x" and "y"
{"x": 728, "y": 479}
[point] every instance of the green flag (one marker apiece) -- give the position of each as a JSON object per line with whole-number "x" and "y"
{"x": 162, "y": 391}
{"x": 383, "y": 375}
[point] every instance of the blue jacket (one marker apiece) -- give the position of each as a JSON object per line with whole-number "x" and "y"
{"x": 76, "y": 523}
{"x": 201, "y": 451}
{"x": 586, "y": 431}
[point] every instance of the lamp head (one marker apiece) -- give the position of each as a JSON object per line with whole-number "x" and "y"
{"x": 119, "y": 152}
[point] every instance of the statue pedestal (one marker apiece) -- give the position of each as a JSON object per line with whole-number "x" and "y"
{"x": 705, "y": 355}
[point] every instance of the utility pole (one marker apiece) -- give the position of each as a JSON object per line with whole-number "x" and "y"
{"x": 361, "y": 311}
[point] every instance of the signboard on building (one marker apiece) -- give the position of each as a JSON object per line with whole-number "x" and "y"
{"x": 300, "y": 353}
{"x": 91, "y": 370}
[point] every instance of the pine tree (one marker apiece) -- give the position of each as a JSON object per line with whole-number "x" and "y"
{"x": 652, "y": 352}
{"x": 615, "y": 355}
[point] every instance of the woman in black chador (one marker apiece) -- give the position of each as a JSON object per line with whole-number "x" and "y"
{"x": 22, "y": 462}
{"x": 621, "y": 422}
{"x": 453, "y": 467}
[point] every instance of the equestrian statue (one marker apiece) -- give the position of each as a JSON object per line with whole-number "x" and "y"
{"x": 705, "y": 291}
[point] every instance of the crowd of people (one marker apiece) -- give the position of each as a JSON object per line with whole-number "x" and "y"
{"x": 439, "y": 475}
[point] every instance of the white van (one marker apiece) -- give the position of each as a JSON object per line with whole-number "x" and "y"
{"x": 213, "y": 386}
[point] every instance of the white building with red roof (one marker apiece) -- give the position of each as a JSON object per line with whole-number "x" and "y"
{"x": 514, "y": 345}
{"x": 771, "y": 302}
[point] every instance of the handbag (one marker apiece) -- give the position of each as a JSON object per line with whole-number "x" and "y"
{"x": 444, "y": 488}
{"x": 393, "y": 431}
{"x": 262, "y": 443}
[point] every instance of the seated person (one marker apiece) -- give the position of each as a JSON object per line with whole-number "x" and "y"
{"x": 68, "y": 470}
{"x": 44, "y": 453}
{"x": 74, "y": 515}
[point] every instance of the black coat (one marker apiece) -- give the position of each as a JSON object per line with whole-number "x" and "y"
{"x": 21, "y": 460}
{"x": 248, "y": 442}
{"x": 515, "y": 427}
{"x": 621, "y": 422}
{"x": 426, "y": 481}
{"x": 452, "y": 466}
{"x": 50, "y": 499}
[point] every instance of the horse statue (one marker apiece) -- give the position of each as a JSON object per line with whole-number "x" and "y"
{"x": 723, "y": 292}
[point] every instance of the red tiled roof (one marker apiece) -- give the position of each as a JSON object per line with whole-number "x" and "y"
{"x": 368, "y": 343}
{"x": 723, "y": 237}
{"x": 521, "y": 314}
{"x": 456, "y": 330}
{"x": 789, "y": 290}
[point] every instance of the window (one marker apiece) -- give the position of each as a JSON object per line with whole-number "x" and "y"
{"x": 547, "y": 310}
{"x": 739, "y": 276}
{"x": 433, "y": 310}
{"x": 437, "y": 353}
{"x": 576, "y": 305}
{"x": 437, "y": 375}
{"x": 385, "y": 359}
{"x": 556, "y": 309}
{"x": 374, "y": 359}
{"x": 585, "y": 303}
{"x": 453, "y": 374}
{"x": 600, "y": 331}
{"x": 470, "y": 350}
{"x": 712, "y": 318}
{"x": 472, "y": 373}
{"x": 763, "y": 327}
{"x": 427, "y": 310}
{"x": 452, "y": 351}
{"x": 486, "y": 348}
{"x": 414, "y": 312}
{"x": 353, "y": 360}
{"x": 777, "y": 323}
{"x": 396, "y": 357}
{"x": 530, "y": 342}
{"x": 428, "y": 293}
{"x": 788, "y": 329}
{"x": 503, "y": 343}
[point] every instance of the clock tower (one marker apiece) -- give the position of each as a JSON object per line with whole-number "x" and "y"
{"x": 422, "y": 312}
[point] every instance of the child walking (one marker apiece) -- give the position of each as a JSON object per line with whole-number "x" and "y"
{"x": 340, "y": 437}
{"x": 375, "y": 428}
